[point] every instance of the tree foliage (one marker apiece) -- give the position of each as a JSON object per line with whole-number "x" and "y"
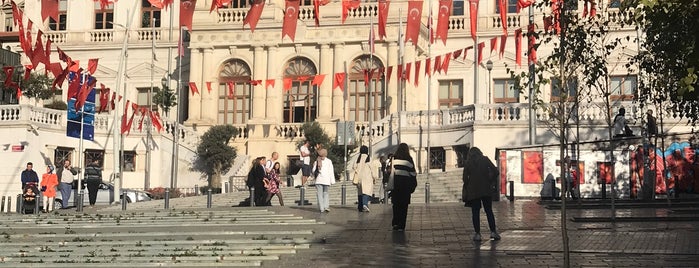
{"x": 165, "y": 99}
{"x": 317, "y": 137}
{"x": 214, "y": 155}
{"x": 37, "y": 86}
{"x": 669, "y": 60}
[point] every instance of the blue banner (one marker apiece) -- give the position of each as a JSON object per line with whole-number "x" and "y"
{"x": 84, "y": 118}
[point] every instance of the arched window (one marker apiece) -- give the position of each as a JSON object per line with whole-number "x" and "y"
{"x": 301, "y": 101}
{"x": 366, "y": 102}
{"x": 234, "y": 92}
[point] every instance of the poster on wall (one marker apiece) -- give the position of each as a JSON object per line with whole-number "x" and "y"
{"x": 604, "y": 172}
{"x": 503, "y": 171}
{"x": 533, "y": 167}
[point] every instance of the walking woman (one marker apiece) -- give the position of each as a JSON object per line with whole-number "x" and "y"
{"x": 404, "y": 184}
{"x": 480, "y": 179}
{"x": 325, "y": 176}
{"x": 273, "y": 184}
{"x": 365, "y": 175}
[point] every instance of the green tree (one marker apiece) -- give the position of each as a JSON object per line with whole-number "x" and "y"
{"x": 318, "y": 138}
{"x": 669, "y": 59}
{"x": 37, "y": 86}
{"x": 214, "y": 155}
{"x": 165, "y": 99}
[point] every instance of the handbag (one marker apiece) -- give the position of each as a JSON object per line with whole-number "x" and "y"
{"x": 355, "y": 178}
{"x": 390, "y": 184}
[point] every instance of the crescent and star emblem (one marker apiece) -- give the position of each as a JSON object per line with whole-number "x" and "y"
{"x": 445, "y": 8}
{"x": 417, "y": 13}
{"x": 290, "y": 11}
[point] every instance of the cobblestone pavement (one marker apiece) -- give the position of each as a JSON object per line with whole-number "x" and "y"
{"x": 439, "y": 235}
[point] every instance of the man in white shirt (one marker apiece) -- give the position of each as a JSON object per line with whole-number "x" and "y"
{"x": 270, "y": 163}
{"x": 66, "y": 176}
{"x": 306, "y": 159}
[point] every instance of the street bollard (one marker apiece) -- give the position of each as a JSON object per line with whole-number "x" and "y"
{"x": 385, "y": 194}
{"x": 75, "y": 199}
{"x": 604, "y": 190}
{"x": 343, "y": 188}
{"x": 427, "y": 192}
{"x": 79, "y": 197}
{"x": 20, "y": 203}
{"x": 227, "y": 187}
{"x": 302, "y": 194}
{"x": 252, "y": 196}
{"x": 289, "y": 181}
{"x": 122, "y": 197}
{"x": 2, "y": 206}
{"x": 196, "y": 189}
{"x": 167, "y": 198}
{"x": 512, "y": 191}
{"x": 208, "y": 198}
{"x": 37, "y": 202}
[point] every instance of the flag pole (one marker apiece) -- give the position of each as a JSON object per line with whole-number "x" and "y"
{"x": 146, "y": 181}
{"x": 429, "y": 106}
{"x": 370, "y": 74}
{"x": 400, "y": 63}
{"x": 176, "y": 133}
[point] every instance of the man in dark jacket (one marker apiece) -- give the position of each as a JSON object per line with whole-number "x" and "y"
{"x": 93, "y": 177}
{"x": 258, "y": 175}
{"x": 29, "y": 175}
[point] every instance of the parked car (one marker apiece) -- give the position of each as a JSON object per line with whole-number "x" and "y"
{"x": 105, "y": 195}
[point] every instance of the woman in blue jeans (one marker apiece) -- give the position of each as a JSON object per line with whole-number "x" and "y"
{"x": 480, "y": 178}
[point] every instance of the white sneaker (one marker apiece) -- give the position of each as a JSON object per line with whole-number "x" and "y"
{"x": 365, "y": 209}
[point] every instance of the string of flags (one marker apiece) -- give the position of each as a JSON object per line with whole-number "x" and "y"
{"x": 39, "y": 52}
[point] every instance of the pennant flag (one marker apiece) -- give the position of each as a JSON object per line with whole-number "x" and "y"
{"x": 49, "y": 8}
{"x": 92, "y": 66}
{"x": 389, "y": 71}
{"x": 412, "y": 29}
{"x": 302, "y": 78}
{"x": 366, "y": 78}
{"x": 62, "y": 55}
{"x": 73, "y": 87}
{"x": 9, "y": 70}
{"x": 406, "y": 75}
{"x": 318, "y": 80}
{"x": 457, "y": 53}
{"x": 231, "y": 90}
{"x": 466, "y": 51}
{"x": 216, "y": 4}
{"x": 104, "y": 98}
{"x": 193, "y": 88}
{"x": 85, "y": 90}
{"x": 155, "y": 119}
{"x": 481, "y": 45}
{"x": 473, "y": 9}
{"x": 346, "y": 6}
{"x": 493, "y": 44}
{"x": 286, "y": 84}
{"x": 47, "y": 55}
{"x": 140, "y": 121}
{"x": 38, "y": 53}
{"x": 438, "y": 64}
{"x": 58, "y": 80}
{"x": 16, "y": 14}
{"x": 518, "y": 47}
{"x": 254, "y": 14}
{"x": 445, "y": 7}
{"x": 316, "y": 11}
{"x": 417, "y": 72}
{"x": 445, "y": 64}
{"x": 112, "y": 101}
{"x": 503, "y": 40}
{"x": 157, "y": 4}
{"x": 428, "y": 63}
{"x": 502, "y": 4}
{"x": 383, "y": 17}
{"x": 339, "y": 81}
{"x": 269, "y": 82}
{"x": 186, "y": 13}
{"x": 524, "y": 3}
{"x": 208, "y": 87}
{"x": 28, "y": 71}
{"x": 291, "y": 14}
{"x": 255, "y": 82}
{"x": 19, "y": 93}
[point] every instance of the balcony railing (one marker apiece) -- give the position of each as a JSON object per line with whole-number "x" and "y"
{"x": 110, "y": 36}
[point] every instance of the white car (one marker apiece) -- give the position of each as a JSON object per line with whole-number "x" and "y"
{"x": 105, "y": 195}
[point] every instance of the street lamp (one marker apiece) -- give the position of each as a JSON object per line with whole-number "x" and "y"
{"x": 489, "y": 67}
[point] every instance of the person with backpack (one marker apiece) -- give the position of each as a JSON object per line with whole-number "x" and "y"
{"x": 480, "y": 179}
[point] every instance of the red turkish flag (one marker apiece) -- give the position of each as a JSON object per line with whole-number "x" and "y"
{"x": 254, "y": 14}
{"x": 473, "y": 11}
{"x": 399, "y": 73}
{"x": 193, "y": 88}
{"x": 85, "y": 90}
{"x": 269, "y": 82}
{"x": 73, "y": 87}
{"x": 186, "y": 13}
{"x": 286, "y": 84}
{"x": 406, "y": 75}
{"x": 339, "y": 81}
{"x": 9, "y": 70}
{"x": 155, "y": 119}
{"x": 466, "y": 51}
{"x": 438, "y": 64}
{"x": 347, "y": 5}
{"x": 62, "y": 55}
{"x": 28, "y": 71}
{"x": 524, "y": 3}
{"x": 428, "y": 63}
{"x": 124, "y": 124}
{"x": 532, "y": 45}
{"x": 104, "y": 98}
{"x": 493, "y": 44}
{"x": 49, "y": 8}
{"x": 383, "y": 17}
{"x": 443, "y": 20}
{"x": 92, "y": 66}
{"x": 58, "y": 80}
{"x": 216, "y": 4}
{"x": 389, "y": 72}
{"x": 208, "y": 87}
{"x": 112, "y": 101}
{"x": 231, "y": 89}
{"x": 140, "y": 121}
{"x": 417, "y": 72}
{"x": 503, "y": 15}
{"x": 412, "y": 29}
{"x": 157, "y": 3}
{"x": 291, "y": 14}
{"x": 457, "y": 53}
{"x": 255, "y": 82}
{"x": 38, "y": 54}
{"x": 318, "y": 80}
{"x": 518, "y": 47}
{"x": 481, "y": 45}
{"x": 445, "y": 63}
{"x": 503, "y": 41}
{"x": 593, "y": 8}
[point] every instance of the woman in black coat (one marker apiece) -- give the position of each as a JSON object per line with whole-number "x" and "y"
{"x": 480, "y": 180}
{"x": 404, "y": 184}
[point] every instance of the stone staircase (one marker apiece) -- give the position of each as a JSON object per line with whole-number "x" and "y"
{"x": 145, "y": 238}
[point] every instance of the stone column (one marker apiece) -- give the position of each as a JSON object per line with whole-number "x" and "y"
{"x": 195, "y": 75}
{"x": 325, "y": 99}
{"x": 338, "y": 99}
{"x": 209, "y": 104}
{"x": 392, "y": 86}
{"x": 258, "y": 92}
{"x": 274, "y": 104}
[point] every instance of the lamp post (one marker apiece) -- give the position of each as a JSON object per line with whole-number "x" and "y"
{"x": 489, "y": 67}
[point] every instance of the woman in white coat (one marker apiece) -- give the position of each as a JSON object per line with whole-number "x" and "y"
{"x": 325, "y": 176}
{"x": 365, "y": 175}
